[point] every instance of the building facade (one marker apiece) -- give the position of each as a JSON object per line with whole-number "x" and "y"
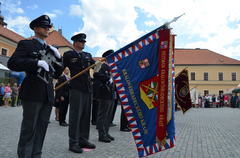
{"x": 209, "y": 72}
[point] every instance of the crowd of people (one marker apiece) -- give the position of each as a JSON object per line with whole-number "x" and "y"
{"x": 9, "y": 95}
{"x": 227, "y": 100}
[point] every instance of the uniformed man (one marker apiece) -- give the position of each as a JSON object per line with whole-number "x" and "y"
{"x": 80, "y": 96}
{"x": 62, "y": 97}
{"x": 105, "y": 97}
{"x": 36, "y": 91}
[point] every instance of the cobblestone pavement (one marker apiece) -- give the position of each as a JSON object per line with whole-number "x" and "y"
{"x": 200, "y": 133}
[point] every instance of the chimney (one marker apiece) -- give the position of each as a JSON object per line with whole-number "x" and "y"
{"x": 60, "y": 31}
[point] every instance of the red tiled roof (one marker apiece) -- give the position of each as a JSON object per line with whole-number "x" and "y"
{"x": 5, "y": 32}
{"x": 55, "y": 38}
{"x": 201, "y": 56}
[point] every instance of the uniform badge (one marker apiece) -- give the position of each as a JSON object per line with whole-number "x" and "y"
{"x": 73, "y": 60}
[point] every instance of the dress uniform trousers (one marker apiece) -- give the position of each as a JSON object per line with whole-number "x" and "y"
{"x": 33, "y": 129}
{"x": 123, "y": 120}
{"x": 79, "y": 117}
{"x": 94, "y": 111}
{"x": 63, "y": 108}
{"x": 104, "y": 115}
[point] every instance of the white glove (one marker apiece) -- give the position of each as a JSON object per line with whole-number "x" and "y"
{"x": 91, "y": 72}
{"x": 98, "y": 62}
{"x": 98, "y": 66}
{"x": 56, "y": 52}
{"x": 43, "y": 64}
{"x": 111, "y": 80}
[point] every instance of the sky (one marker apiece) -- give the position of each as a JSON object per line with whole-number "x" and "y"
{"x": 112, "y": 24}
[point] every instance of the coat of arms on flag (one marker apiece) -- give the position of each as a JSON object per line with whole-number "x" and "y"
{"x": 143, "y": 72}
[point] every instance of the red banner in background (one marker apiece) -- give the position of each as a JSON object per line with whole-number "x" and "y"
{"x": 182, "y": 94}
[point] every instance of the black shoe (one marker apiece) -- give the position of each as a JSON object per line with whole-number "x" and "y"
{"x": 104, "y": 139}
{"x": 75, "y": 149}
{"x": 63, "y": 124}
{"x": 110, "y": 137}
{"x": 112, "y": 125}
{"x": 125, "y": 130}
{"x": 87, "y": 145}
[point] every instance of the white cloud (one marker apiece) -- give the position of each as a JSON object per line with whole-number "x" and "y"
{"x": 208, "y": 22}
{"x": 12, "y": 6}
{"x": 75, "y": 10}
{"x": 51, "y": 15}
{"x": 33, "y": 7}
{"x": 212, "y": 25}
{"x": 19, "y": 10}
{"x": 54, "y": 14}
{"x": 57, "y": 11}
{"x": 150, "y": 23}
{"x": 19, "y": 24}
{"x": 107, "y": 26}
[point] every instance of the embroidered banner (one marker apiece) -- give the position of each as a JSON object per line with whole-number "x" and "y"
{"x": 183, "y": 98}
{"x": 143, "y": 72}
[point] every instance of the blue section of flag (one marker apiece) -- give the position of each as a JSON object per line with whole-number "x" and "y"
{"x": 130, "y": 74}
{"x": 136, "y": 75}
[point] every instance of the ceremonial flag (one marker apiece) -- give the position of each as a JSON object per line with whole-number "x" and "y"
{"x": 143, "y": 72}
{"x": 183, "y": 98}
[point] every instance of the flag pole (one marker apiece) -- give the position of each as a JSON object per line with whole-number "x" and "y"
{"x": 173, "y": 20}
{"x": 77, "y": 75}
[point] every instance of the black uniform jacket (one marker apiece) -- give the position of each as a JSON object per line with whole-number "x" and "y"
{"x": 76, "y": 62}
{"x": 63, "y": 91}
{"x": 102, "y": 88}
{"x": 25, "y": 58}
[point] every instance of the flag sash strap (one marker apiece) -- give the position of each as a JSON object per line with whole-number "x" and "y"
{"x": 123, "y": 84}
{"x": 163, "y": 68}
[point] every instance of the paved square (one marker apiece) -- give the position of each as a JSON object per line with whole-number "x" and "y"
{"x": 200, "y": 133}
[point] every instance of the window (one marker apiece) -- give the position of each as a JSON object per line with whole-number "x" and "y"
{"x": 234, "y": 76}
{"x": 4, "y": 51}
{"x": 205, "y": 77}
{"x": 206, "y": 92}
{"x": 193, "y": 76}
{"x": 220, "y": 76}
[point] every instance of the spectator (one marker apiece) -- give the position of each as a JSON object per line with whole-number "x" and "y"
{"x": 14, "y": 94}
{"x": 234, "y": 101}
{"x": 7, "y": 95}
{"x": 214, "y": 100}
{"x": 221, "y": 100}
{"x": 199, "y": 101}
{"x": 226, "y": 100}
{"x": 207, "y": 101}
{"x": 1, "y": 93}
